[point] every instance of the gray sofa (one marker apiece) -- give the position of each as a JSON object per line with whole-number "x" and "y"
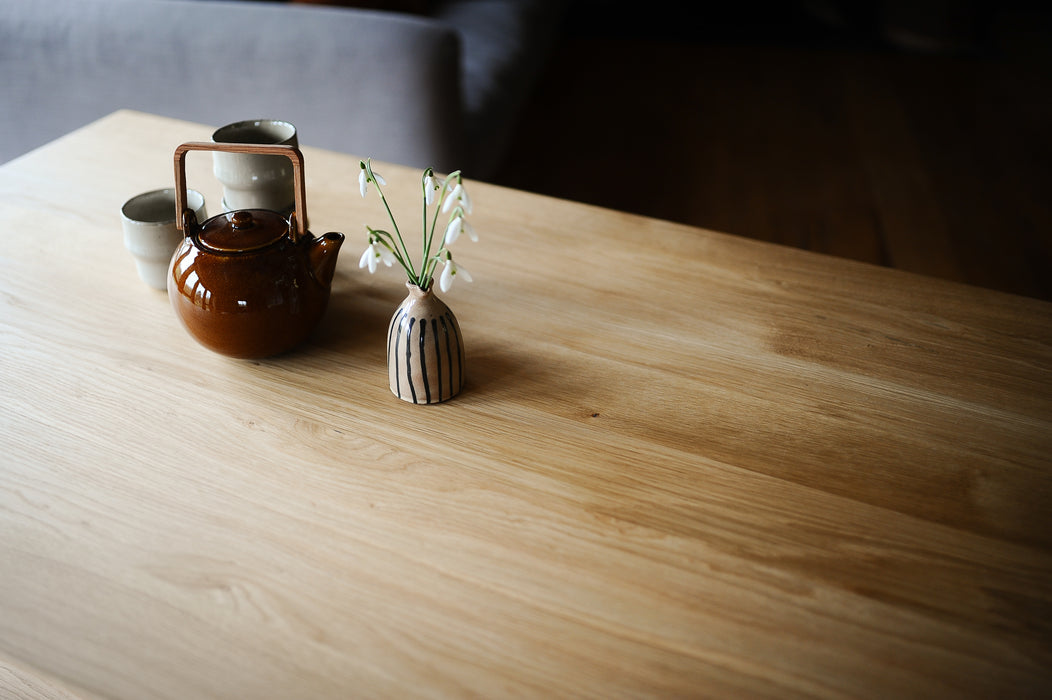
{"x": 441, "y": 89}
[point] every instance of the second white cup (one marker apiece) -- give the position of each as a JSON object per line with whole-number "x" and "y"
{"x": 150, "y": 233}
{"x": 252, "y": 181}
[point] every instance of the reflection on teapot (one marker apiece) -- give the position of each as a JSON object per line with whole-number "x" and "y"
{"x": 250, "y": 283}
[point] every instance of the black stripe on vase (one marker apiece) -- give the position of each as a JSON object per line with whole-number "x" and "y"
{"x": 409, "y": 358}
{"x": 459, "y": 349}
{"x": 453, "y": 347}
{"x": 449, "y": 355}
{"x": 438, "y": 360}
{"x": 422, "y": 340}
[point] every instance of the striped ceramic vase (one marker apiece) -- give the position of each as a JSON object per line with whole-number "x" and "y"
{"x": 425, "y": 351}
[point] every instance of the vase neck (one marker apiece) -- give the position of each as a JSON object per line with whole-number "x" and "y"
{"x": 417, "y": 292}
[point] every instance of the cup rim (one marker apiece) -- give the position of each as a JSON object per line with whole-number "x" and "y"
{"x": 194, "y": 200}
{"x": 286, "y": 131}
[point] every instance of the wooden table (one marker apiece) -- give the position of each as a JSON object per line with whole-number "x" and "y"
{"x": 684, "y": 465}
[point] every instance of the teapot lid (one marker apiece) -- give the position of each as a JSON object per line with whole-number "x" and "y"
{"x": 243, "y": 230}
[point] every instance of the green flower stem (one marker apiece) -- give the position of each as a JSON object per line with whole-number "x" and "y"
{"x": 429, "y": 262}
{"x": 423, "y": 231}
{"x": 395, "y": 242}
{"x": 405, "y": 260}
{"x": 385, "y": 239}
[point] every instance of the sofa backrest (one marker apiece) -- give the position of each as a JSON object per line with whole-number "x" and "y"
{"x": 370, "y": 83}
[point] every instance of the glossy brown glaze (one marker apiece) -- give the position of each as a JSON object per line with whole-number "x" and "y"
{"x": 250, "y": 283}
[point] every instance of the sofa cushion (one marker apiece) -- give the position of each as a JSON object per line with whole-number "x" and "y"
{"x": 366, "y": 82}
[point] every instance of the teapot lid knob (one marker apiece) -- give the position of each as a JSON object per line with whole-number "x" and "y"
{"x": 242, "y": 220}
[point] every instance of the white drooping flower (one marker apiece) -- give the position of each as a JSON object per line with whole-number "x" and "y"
{"x": 460, "y": 196}
{"x": 430, "y": 187}
{"x": 453, "y": 230}
{"x": 363, "y": 178}
{"x": 450, "y": 271}
{"x": 468, "y": 229}
{"x": 376, "y": 253}
{"x": 458, "y": 225}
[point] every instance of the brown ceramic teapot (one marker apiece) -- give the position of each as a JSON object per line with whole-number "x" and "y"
{"x": 249, "y": 283}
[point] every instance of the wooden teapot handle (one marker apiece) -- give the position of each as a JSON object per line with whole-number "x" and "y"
{"x": 291, "y": 152}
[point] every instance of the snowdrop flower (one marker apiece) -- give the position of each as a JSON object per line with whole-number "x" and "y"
{"x": 468, "y": 229}
{"x": 376, "y": 253}
{"x": 389, "y": 247}
{"x": 453, "y": 230}
{"x": 460, "y": 196}
{"x": 445, "y": 281}
{"x": 430, "y": 187}
{"x": 363, "y": 178}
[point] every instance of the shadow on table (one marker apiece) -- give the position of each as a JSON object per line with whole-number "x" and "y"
{"x": 355, "y": 325}
{"x": 357, "y": 316}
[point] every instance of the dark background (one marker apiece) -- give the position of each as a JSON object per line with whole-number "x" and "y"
{"x": 912, "y": 135}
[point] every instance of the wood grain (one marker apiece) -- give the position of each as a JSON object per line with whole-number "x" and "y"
{"x": 685, "y": 464}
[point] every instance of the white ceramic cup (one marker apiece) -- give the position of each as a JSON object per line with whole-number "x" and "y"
{"x": 150, "y": 233}
{"x": 253, "y": 181}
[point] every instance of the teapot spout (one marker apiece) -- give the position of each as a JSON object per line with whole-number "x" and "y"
{"x": 323, "y": 253}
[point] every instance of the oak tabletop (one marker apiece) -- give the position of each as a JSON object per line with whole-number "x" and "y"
{"x": 684, "y": 464}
